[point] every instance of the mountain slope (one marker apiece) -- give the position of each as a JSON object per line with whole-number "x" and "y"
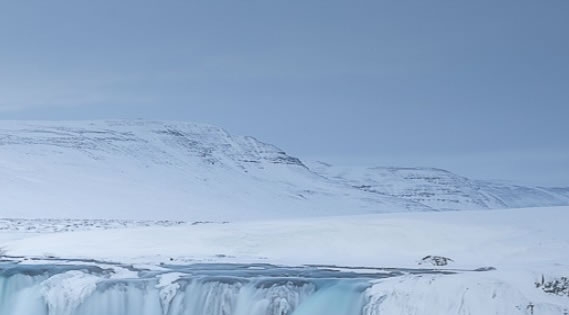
{"x": 441, "y": 189}
{"x": 174, "y": 170}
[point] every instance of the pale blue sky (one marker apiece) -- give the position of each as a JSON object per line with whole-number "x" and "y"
{"x": 479, "y": 87}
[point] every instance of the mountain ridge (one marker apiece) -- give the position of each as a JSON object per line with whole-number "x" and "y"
{"x": 442, "y": 189}
{"x": 174, "y": 170}
{"x": 182, "y": 170}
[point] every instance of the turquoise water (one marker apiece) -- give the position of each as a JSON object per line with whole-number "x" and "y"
{"x": 78, "y": 287}
{"x": 200, "y": 290}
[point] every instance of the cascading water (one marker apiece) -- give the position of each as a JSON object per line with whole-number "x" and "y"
{"x": 75, "y": 289}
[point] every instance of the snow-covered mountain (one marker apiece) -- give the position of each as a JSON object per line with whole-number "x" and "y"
{"x": 175, "y": 170}
{"x": 163, "y": 170}
{"x": 441, "y": 189}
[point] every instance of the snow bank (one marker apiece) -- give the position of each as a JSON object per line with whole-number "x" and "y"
{"x": 494, "y": 293}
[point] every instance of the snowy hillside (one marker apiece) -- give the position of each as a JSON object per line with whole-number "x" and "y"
{"x": 162, "y": 170}
{"x": 441, "y": 189}
{"x": 186, "y": 171}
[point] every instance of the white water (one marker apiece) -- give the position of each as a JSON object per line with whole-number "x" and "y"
{"x": 217, "y": 289}
{"x": 81, "y": 293}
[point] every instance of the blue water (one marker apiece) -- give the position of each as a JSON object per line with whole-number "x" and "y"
{"x": 202, "y": 289}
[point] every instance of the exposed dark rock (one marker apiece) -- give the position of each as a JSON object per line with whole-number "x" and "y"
{"x": 435, "y": 260}
{"x": 557, "y": 286}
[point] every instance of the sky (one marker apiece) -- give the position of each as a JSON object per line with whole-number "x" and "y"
{"x": 477, "y": 87}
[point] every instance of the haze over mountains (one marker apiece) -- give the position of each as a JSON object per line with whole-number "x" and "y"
{"x": 177, "y": 170}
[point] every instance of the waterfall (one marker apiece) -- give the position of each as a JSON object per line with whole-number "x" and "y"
{"x": 93, "y": 288}
{"x": 45, "y": 290}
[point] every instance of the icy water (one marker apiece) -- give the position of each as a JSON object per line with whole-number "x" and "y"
{"x": 89, "y": 288}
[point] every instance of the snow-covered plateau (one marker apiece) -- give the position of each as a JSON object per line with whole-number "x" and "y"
{"x": 185, "y": 171}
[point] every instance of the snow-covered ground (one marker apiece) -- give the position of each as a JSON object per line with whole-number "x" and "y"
{"x": 516, "y": 252}
{"x": 514, "y": 237}
{"x": 69, "y": 225}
